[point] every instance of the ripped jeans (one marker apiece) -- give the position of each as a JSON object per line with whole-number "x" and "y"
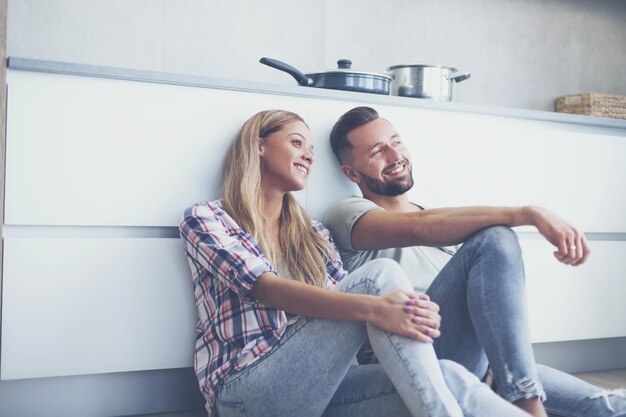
{"x": 485, "y": 323}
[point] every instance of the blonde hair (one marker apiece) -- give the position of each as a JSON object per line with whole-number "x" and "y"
{"x": 300, "y": 248}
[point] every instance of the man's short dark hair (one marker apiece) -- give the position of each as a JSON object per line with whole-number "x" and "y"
{"x": 356, "y": 117}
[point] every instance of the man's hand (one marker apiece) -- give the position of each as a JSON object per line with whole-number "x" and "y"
{"x": 572, "y": 246}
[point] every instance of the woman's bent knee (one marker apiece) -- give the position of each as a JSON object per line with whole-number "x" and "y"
{"x": 456, "y": 375}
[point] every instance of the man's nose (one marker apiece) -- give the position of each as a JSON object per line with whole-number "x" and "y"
{"x": 394, "y": 153}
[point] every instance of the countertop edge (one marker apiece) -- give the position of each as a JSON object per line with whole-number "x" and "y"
{"x": 57, "y": 67}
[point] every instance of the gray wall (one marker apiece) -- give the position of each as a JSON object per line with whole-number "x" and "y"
{"x": 521, "y": 53}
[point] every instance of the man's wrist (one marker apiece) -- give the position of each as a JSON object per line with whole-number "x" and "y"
{"x": 528, "y": 215}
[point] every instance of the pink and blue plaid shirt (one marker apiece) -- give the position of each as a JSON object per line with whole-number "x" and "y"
{"x": 233, "y": 330}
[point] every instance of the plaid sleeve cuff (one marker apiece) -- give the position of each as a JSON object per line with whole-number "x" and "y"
{"x": 244, "y": 274}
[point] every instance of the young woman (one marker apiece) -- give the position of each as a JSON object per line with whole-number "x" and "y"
{"x": 280, "y": 321}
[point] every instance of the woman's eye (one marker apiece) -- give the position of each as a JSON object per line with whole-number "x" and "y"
{"x": 297, "y": 142}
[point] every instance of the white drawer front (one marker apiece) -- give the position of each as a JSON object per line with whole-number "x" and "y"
{"x": 87, "y": 306}
{"x": 572, "y": 303}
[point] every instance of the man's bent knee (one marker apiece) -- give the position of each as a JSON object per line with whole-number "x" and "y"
{"x": 497, "y": 238}
{"x": 386, "y": 275}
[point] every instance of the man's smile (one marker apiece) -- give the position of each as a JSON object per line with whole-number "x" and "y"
{"x": 395, "y": 169}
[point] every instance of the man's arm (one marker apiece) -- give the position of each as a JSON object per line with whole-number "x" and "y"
{"x": 380, "y": 229}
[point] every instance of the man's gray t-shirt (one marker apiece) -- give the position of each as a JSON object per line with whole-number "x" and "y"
{"x": 420, "y": 263}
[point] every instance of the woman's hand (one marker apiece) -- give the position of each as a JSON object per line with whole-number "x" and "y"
{"x": 408, "y": 314}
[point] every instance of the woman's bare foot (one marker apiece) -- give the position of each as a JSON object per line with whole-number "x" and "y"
{"x": 533, "y": 406}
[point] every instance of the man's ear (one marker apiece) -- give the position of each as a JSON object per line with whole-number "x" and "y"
{"x": 351, "y": 174}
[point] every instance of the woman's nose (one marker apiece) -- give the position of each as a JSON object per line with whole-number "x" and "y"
{"x": 308, "y": 156}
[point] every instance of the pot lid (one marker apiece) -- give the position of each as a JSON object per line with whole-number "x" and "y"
{"x": 421, "y": 66}
{"x": 344, "y": 67}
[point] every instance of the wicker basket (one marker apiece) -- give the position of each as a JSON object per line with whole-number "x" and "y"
{"x": 593, "y": 104}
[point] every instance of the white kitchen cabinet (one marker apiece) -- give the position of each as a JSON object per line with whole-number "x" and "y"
{"x": 98, "y": 171}
{"x": 107, "y": 152}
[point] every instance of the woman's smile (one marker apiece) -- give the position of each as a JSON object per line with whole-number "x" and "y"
{"x": 303, "y": 170}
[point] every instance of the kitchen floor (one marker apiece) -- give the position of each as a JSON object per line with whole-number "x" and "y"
{"x": 606, "y": 379}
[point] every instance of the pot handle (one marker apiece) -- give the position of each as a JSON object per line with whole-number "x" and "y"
{"x": 460, "y": 77}
{"x": 300, "y": 77}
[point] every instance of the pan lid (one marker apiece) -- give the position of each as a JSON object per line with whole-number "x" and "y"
{"x": 344, "y": 67}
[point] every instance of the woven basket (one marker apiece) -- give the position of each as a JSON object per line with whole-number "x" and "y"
{"x": 593, "y": 104}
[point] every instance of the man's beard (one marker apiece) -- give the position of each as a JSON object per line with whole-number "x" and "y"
{"x": 388, "y": 188}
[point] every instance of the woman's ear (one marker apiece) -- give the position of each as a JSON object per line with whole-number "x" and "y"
{"x": 351, "y": 174}
{"x": 260, "y": 145}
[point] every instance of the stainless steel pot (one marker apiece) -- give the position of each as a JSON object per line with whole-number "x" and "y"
{"x": 424, "y": 81}
{"x": 343, "y": 78}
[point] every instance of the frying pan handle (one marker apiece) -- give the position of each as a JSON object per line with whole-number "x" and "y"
{"x": 460, "y": 77}
{"x": 301, "y": 78}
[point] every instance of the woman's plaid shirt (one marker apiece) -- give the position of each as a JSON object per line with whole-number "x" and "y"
{"x": 233, "y": 330}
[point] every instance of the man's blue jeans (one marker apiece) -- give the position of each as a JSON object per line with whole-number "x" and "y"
{"x": 485, "y": 322}
{"x": 311, "y": 372}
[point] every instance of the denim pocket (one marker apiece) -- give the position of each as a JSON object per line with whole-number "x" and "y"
{"x": 231, "y": 409}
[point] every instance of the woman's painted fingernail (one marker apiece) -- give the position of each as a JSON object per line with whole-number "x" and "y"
{"x": 417, "y": 319}
{"x": 407, "y": 309}
{"x": 424, "y": 297}
{"x": 409, "y": 302}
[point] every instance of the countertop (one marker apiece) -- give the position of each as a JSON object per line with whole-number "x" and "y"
{"x": 25, "y": 64}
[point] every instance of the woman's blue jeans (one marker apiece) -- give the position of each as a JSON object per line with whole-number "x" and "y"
{"x": 485, "y": 322}
{"x": 312, "y": 373}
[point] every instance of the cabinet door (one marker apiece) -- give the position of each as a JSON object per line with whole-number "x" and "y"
{"x": 87, "y": 306}
{"x": 573, "y": 303}
{"x": 468, "y": 159}
{"x": 108, "y": 152}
